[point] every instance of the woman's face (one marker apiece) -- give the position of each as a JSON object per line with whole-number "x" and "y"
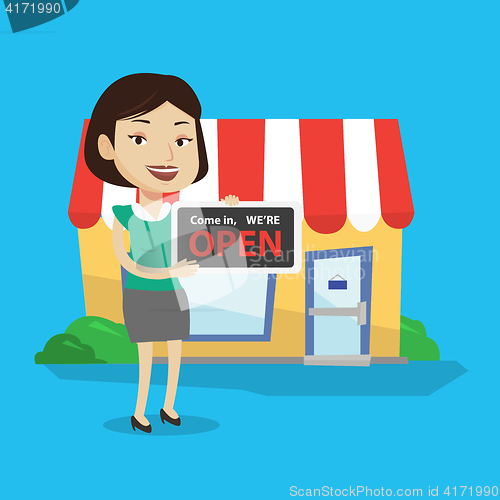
{"x": 157, "y": 151}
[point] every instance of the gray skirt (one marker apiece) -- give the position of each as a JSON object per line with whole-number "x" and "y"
{"x": 156, "y": 316}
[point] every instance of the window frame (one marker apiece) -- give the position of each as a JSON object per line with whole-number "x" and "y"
{"x": 259, "y": 337}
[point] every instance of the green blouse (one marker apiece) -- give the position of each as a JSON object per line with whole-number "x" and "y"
{"x": 149, "y": 247}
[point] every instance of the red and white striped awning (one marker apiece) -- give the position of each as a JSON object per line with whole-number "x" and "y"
{"x": 338, "y": 169}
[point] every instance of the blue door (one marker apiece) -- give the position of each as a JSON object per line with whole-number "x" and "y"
{"x": 338, "y": 301}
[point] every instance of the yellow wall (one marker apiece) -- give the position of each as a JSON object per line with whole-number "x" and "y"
{"x": 101, "y": 273}
{"x": 102, "y": 286}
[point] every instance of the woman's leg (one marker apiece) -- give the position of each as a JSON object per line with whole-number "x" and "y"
{"x": 174, "y": 365}
{"x": 145, "y": 364}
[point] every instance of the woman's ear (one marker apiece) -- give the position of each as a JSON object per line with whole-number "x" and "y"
{"x": 105, "y": 147}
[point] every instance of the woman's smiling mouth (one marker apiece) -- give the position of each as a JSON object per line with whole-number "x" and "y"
{"x": 162, "y": 172}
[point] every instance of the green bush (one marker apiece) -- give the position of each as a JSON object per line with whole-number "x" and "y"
{"x": 89, "y": 340}
{"x": 414, "y": 343}
{"x": 97, "y": 340}
{"x": 65, "y": 348}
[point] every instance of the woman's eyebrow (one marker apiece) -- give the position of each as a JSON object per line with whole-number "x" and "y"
{"x": 143, "y": 121}
{"x": 181, "y": 123}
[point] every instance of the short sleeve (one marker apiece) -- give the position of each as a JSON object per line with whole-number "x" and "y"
{"x": 123, "y": 214}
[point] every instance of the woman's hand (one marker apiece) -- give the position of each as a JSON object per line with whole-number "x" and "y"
{"x": 183, "y": 269}
{"x": 231, "y": 200}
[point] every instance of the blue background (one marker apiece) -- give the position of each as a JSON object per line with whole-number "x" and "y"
{"x": 432, "y": 65}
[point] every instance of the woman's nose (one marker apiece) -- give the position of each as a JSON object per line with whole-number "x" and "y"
{"x": 169, "y": 153}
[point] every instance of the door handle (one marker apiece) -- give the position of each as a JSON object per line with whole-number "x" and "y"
{"x": 358, "y": 312}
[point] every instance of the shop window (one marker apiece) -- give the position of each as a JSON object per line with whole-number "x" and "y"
{"x": 230, "y": 306}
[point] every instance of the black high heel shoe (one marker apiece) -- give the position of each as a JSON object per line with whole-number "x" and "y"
{"x": 143, "y": 428}
{"x": 165, "y": 416}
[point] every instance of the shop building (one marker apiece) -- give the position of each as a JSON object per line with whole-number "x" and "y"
{"x": 344, "y": 306}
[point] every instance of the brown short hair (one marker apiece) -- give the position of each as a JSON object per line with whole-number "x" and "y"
{"x": 136, "y": 95}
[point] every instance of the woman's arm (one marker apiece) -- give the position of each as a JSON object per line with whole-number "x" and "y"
{"x": 182, "y": 269}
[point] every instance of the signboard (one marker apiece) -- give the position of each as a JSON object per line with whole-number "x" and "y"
{"x": 337, "y": 283}
{"x": 253, "y": 236}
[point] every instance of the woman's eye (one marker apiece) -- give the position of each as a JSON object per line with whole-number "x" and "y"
{"x": 183, "y": 142}
{"x": 138, "y": 140}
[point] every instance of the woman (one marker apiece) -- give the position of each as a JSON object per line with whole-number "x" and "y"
{"x": 145, "y": 132}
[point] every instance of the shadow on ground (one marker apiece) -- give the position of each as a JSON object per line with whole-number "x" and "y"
{"x": 418, "y": 378}
{"x": 190, "y": 425}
